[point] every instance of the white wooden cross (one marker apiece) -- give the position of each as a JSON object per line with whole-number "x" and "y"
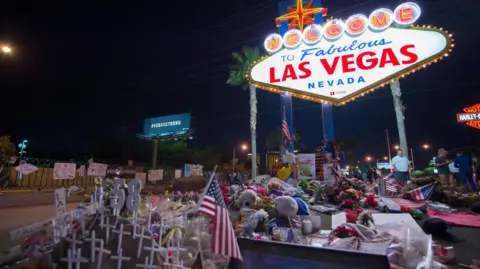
{"x": 146, "y": 265}
{"x": 140, "y": 243}
{"x": 73, "y": 241}
{"x": 160, "y": 231}
{"x": 175, "y": 257}
{"x": 134, "y": 220}
{"x": 93, "y": 242}
{"x": 99, "y": 202}
{"x": 153, "y": 249}
{"x": 120, "y": 233}
{"x": 101, "y": 251}
{"x": 107, "y": 227}
{"x": 80, "y": 215}
{"x": 72, "y": 259}
{"x": 120, "y": 258}
{"x": 179, "y": 265}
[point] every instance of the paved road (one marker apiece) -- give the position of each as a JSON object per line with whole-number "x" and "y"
{"x": 12, "y": 218}
{"x": 9, "y": 200}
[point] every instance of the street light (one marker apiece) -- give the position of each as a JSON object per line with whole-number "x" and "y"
{"x": 396, "y": 147}
{"x": 6, "y": 49}
{"x": 368, "y": 158}
{"x": 385, "y": 158}
{"x": 242, "y": 147}
{"x": 22, "y": 146}
{"x": 425, "y": 146}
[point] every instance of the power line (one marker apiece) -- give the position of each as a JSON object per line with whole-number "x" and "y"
{"x": 213, "y": 60}
{"x": 266, "y": 113}
{"x": 229, "y": 48}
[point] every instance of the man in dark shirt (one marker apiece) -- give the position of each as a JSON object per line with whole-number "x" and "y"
{"x": 465, "y": 171}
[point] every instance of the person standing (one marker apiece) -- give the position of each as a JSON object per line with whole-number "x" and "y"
{"x": 400, "y": 164}
{"x": 465, "y": 171}
{"x": 454, "y": 170}
{"x": 364, "y": 172}
{"x": 441, "y": 163}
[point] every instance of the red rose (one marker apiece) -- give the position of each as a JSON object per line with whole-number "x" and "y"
{"x": 351, "y": 216}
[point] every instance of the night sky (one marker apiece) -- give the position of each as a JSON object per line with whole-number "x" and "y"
{"x": 81, "y": 70}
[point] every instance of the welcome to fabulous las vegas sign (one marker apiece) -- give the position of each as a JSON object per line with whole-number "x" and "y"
{"x": 341, "y": 60}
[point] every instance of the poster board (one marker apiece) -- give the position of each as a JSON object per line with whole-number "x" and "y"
{"x": 155, "y": 175}
{"x": 97, "y": 169}
{"x": 64, "y": 170}
{"x": 306, "y": 166}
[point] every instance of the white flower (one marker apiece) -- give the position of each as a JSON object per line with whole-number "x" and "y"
{"x": 288, "y": 157}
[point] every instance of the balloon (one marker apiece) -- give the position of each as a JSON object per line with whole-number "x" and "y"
{"x": 284, "y": 173}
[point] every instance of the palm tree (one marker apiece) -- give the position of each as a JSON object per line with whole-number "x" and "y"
{"x": 399, "y": 112}
{"x": 347, "y": 146}
{"x": 237, "y": 77}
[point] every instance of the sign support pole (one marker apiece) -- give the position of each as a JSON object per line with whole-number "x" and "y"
{"x": 286, "y": 107}
{"x": 154, "y": 153}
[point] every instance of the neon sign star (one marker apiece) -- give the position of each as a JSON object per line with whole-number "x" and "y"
{"x": 301, "y": 15}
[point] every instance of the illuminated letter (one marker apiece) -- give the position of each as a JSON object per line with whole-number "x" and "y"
{"x": 291, "y": 39}
{"x": 355, "y": 25}
{"x": 406, "y": 14}
{"x": 333, "y": 30}
{"x": 380, "y": 19}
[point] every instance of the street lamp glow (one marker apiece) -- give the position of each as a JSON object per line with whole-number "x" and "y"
{"x": 6, "y": 49}
{"x": 426, "y": 146}
{"x": 385, "y": 158}
{"x": 397, "y": 147}
{"x": 368, "y": 158}
{"x": 244, "y": 147}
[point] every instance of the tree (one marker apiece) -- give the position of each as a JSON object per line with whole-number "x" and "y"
{"x": 347, "y": 146}
{"x": 274, "y": 140}
{"x": 173, "y": 153}
{"x": 399, "y": 112}
{"x": 237, "y": 77}
{"x": 7, "y": 148}
{"x": 208, "y": 157}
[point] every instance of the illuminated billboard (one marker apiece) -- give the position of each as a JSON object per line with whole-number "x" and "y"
{"x": 168, "y": 125}
{"x": 341, "y": 60}
{"x": 470, "y": 116}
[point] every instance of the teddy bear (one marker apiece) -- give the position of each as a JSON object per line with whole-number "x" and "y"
{"x": 249, "y": 218}
{"x": 274, "y": 189}
{"x": 286, "y": 209}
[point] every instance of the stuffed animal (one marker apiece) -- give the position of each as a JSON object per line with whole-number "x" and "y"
{"x": 274, "y": 188}
{"x": 247, "y": 199}
{"x": 246, "y": 203}
{"x": 285, "y": 208}
{"x": 302, "y": 207}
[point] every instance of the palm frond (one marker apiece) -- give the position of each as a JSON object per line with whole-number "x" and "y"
{"x": 242, "y": 61}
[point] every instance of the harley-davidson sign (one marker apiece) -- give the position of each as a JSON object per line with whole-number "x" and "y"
{"x": 470, "y": 116}
{"x": 341, "y": 60}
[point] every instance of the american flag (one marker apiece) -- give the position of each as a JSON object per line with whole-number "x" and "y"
{"x": 423, "y": 193}
{"x": 408, "y": 203}
{"x": 392, "y": 185}
{"x": 224, "y": 241}
{"x": 285, "y": 129}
